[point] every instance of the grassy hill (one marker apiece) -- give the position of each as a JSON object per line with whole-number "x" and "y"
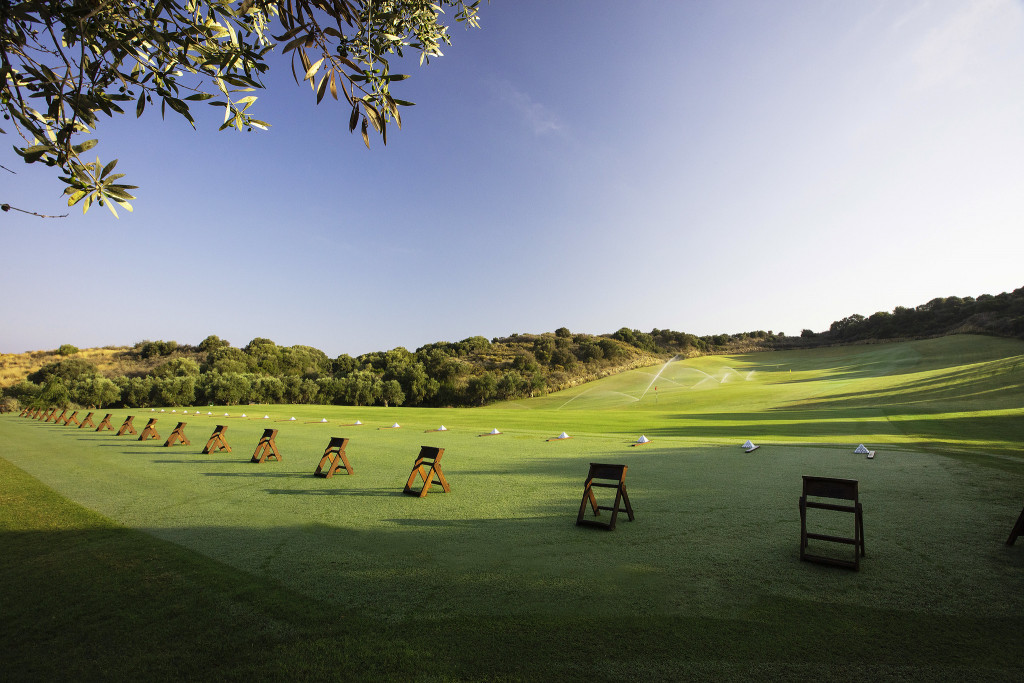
{"x": 138, "y": 561}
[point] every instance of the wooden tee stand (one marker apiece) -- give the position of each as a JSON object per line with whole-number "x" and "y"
{"x": 217, "y": 441}
{"x": 177, "y": 435}
{"x": 149, "y": 431}
{"x": 56, "y": 420}
{"x": 266, "y": 448}
{"x": 72, "y": 419}
{"x": 127, "y": 427}
{"x": 87, "y": 422}
{"x": 105, "y": 423}
{"x": 836, "y": 489}
{"x": 335, "y": 458}
{"x": 616, "y": 473}
{"x": 1018, "y": 529}
{"x": 430, "y": 458}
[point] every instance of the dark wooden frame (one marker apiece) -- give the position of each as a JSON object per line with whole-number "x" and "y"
{"x": 335, "y": 459}
{"x": 430, "y": 456}
{"x": 105, "y": 423}
{"x": 616, "y": 473}
{"x": 127, "y": 427}
{"x": 178, "y": 435}
{"x": 149, "y": 431}
{"x": 1018, "y": 529}
{"x": 217, "y": 441}
{"x": 835, "y": 489}
{"x": 72, "y": 419}
{"x": 56, "y": 420}
{"x": 267, "y": 447}
{"x": 87, "y": 422}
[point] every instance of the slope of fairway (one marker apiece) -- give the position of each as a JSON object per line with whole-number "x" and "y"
{"x": 706, "y": 582}
{"x": 961, "y": 392}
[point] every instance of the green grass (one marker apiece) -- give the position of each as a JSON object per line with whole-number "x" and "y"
{"x": 123, "y": 559}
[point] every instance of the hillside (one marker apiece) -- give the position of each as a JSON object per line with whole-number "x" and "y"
{"x": 471, "y": 372}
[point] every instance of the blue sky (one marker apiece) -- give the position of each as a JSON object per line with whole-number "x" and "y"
{"x": 701, "y": 166}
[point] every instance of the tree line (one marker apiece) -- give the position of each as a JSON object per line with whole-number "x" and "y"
{"x": 999, "y": 314}
{"x": 471, "y": 372}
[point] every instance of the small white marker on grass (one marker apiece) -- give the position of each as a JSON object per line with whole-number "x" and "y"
{"x": 749, "y": 446}
{"x": 862, "y": 450}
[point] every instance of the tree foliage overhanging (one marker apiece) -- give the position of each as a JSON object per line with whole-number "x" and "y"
{"x": 64, "y": 63}
{"x": 474, "y": 371}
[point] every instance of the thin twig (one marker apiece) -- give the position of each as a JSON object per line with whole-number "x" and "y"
{"x": 8, "y": 207}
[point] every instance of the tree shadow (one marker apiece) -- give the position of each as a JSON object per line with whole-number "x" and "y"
{"x": 280, "y": 475}
{"x": 381, "y": 492}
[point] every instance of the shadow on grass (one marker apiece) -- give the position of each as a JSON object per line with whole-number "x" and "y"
{"x": 190, "y": 462}
{"x": 337, "y": 492}
{"x": 118, "y": 604}
{"x": 282, "y": 475}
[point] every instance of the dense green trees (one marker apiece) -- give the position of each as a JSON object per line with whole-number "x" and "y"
{"x": 473, "y": 371}
{"x": 1001, "y": 314}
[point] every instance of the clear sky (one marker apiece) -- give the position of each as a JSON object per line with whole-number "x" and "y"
{"x": 705, "y": 166}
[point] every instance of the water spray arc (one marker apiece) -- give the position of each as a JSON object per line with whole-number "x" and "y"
{"x": 655, "y": 379}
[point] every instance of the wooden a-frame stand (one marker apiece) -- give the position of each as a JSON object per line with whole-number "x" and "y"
{"x": 87, "y": 422}
{"x": 430, "y": 458}
{"x": 149, "y": 431}
{"x": 127, "y": 427}
{"x": 178, "y": 435}
{"x": 838, "y": 489}
{"x": 616, "y": 473}
{"x": 217, "y": 441}
{"x": 72, "y": 419}
{"x": 56, "y": 420}
{"x": 1018, "y": 529}
{"x": 105, "y": 423}
{"x": 335, "y": 459}
{"x": 48, "y": 415}
{"x": 266, "y": 448}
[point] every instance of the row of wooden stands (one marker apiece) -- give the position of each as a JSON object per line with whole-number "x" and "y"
{"x": 829, "y": 494}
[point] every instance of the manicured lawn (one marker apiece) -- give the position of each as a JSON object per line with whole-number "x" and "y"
{"x": 132, "y": 560}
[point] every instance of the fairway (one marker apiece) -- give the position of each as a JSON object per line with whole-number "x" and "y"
{"x": 346, "y": 576}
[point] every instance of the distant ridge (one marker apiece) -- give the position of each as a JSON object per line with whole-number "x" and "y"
{"x": 474, "y": 371}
